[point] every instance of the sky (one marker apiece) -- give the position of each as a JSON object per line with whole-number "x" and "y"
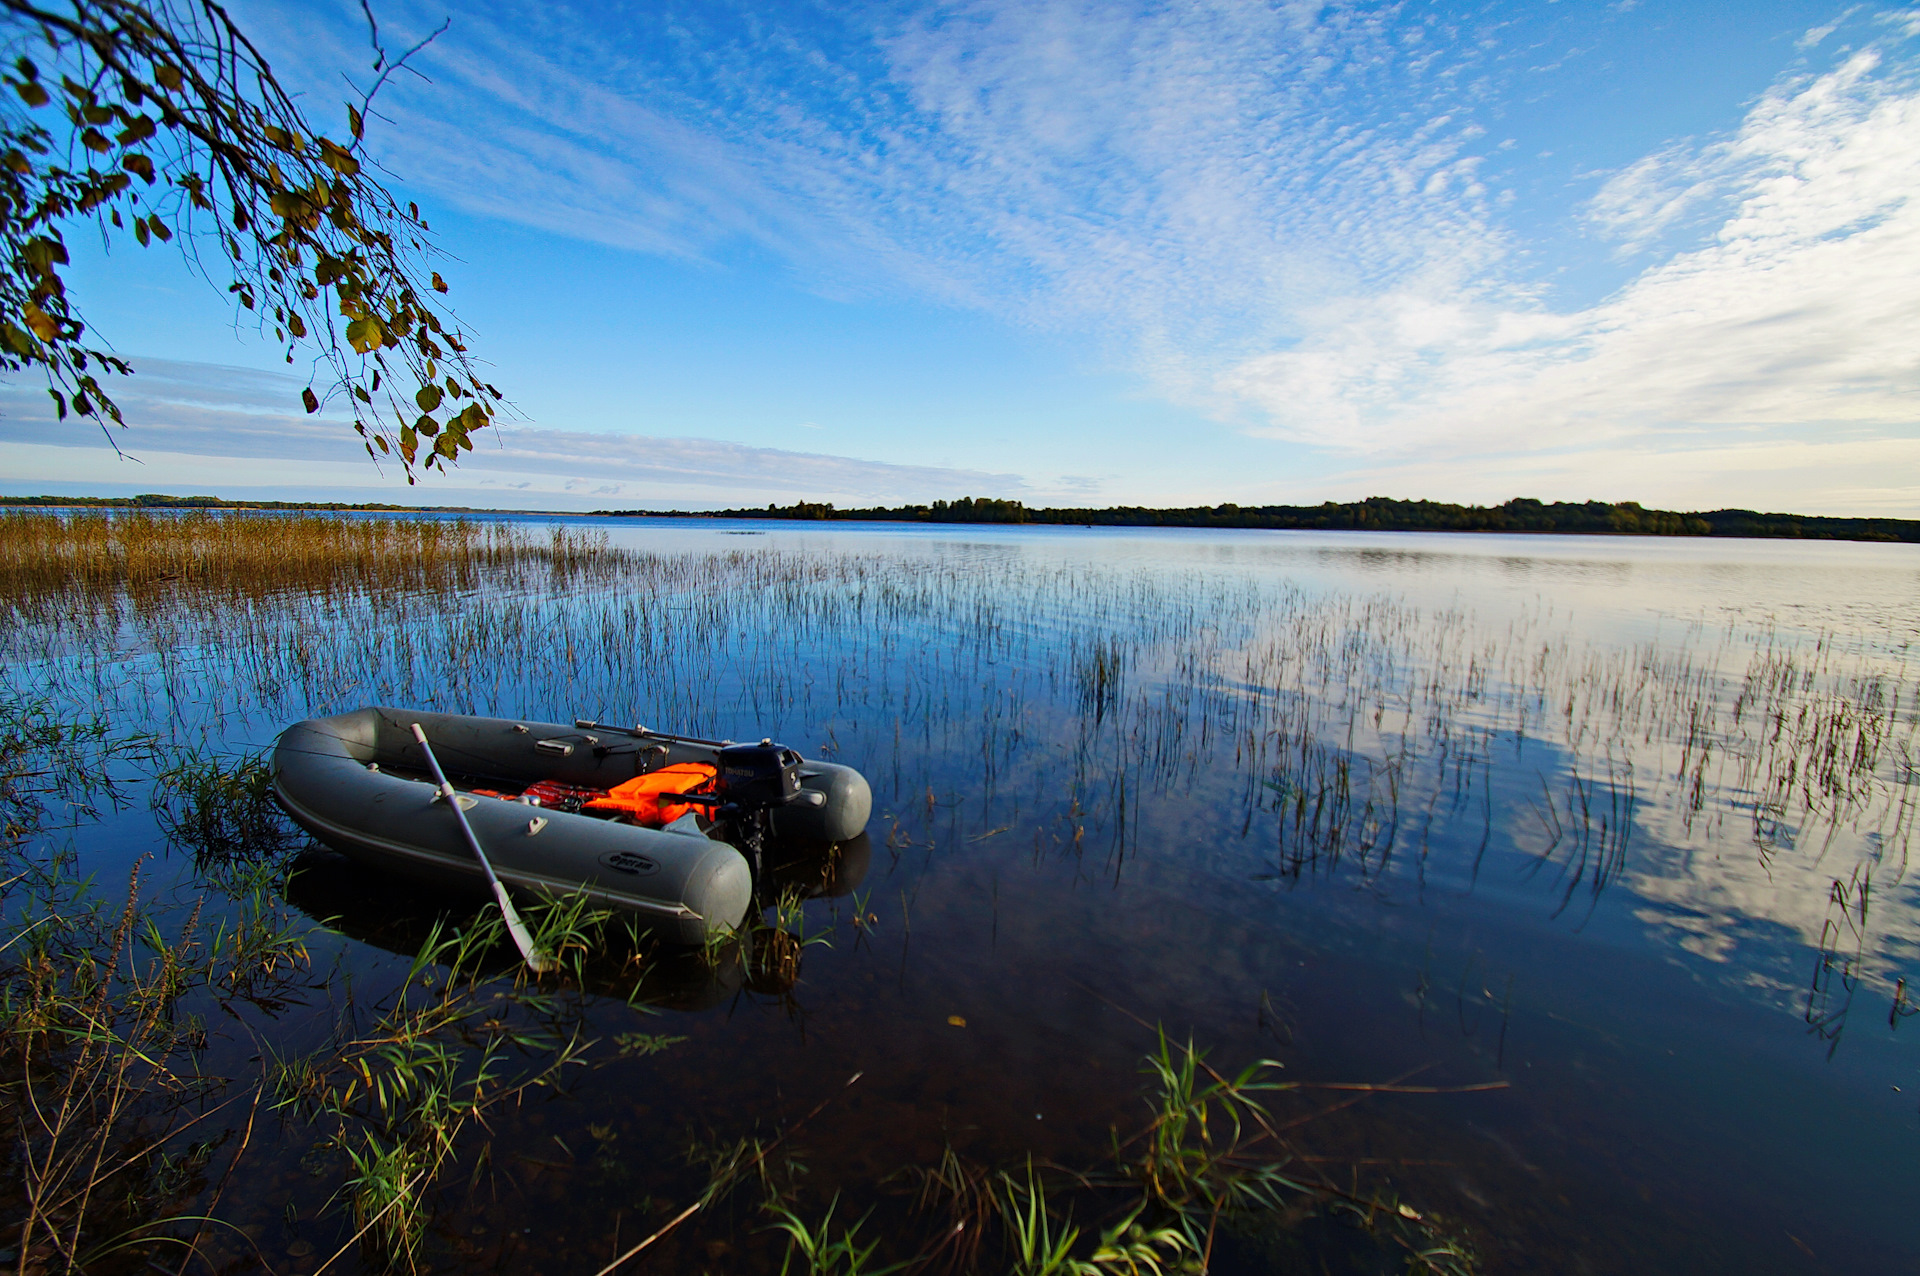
{"x": 725, "y": 254}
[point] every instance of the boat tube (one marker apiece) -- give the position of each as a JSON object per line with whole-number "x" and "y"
{"x": 356, "y": 781}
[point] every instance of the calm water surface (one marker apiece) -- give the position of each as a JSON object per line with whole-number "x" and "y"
{"x": 1624, "y": 824}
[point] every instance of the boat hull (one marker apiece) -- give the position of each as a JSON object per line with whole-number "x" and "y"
{"x": 334, "y": 776}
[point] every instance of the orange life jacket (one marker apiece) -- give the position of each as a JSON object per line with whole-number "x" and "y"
{"x": 648, "y": 798}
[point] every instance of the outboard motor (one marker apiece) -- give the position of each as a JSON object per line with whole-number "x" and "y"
{"x": 759, "y": 776}
{"x": 754, "y": 781}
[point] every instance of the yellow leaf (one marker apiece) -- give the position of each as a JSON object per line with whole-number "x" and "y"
{"x": 956, "y": 1021}
{"x": 337, "y": 159}
{"x": 366, "y": 335}
{"x": 41, "y": 322}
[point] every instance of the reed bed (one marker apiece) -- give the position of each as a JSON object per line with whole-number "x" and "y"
{"x": 43, "y": 552}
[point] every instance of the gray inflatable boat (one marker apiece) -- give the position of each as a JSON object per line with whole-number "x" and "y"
{"x": 357, "y": 782}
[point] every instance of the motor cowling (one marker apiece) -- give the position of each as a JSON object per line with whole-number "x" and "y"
{"x": 759, "y": 776}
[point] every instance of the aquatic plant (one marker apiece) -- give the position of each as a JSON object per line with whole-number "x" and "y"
{"x": 100, "y": 1080}
{"x": 1193, "y": 1157}
{"x": 819, "y": 1252}
{"x": 52, "y": 552}
{"x": 568, "y": 927}
{"x": 223, "y": 812}
{"x": 52, "y": 761}
{"x": 104, "y": 1039}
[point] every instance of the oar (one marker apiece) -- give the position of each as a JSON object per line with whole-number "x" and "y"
{"x": 522, "y": 940}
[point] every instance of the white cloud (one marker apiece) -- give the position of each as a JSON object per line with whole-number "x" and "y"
{"x": 1800, "y": 310}
{"x": 192, "y": 425}
{"x": 1853, "y": 472}
{"x": 1814, "y": 35}
{"x": 1649, "y": 199}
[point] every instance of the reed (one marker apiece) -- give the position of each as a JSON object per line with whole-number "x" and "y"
{"x": 222, "y": 812}
{"x": 816, "y": 1251}
{"x": 1361, "y": 732}
{"x": 44, "y": 552}
{"x": 102, "y": 1028}
{"x": 1358, "y": 728}
{"x": 1209, "y": 1161}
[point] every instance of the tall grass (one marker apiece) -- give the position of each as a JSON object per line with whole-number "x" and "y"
{"x": 103, "y": 1015}
{"x": 47, "y": 551}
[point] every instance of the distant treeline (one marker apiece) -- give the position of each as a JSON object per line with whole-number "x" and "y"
{"x": 1375, "y": 514}
{"x": 159, "y": 501}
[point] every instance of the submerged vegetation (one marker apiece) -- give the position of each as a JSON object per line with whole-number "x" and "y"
{"x": 228, "y": 1053}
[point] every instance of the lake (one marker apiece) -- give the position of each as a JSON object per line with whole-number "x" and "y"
{"x": 1563, "y": 882}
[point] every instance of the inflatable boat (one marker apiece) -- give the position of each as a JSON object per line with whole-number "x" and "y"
{"x": 670, "y": 828}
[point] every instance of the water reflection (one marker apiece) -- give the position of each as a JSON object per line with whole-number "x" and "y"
{"x": 397, "y": 915}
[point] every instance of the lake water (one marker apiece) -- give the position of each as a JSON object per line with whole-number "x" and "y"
{"x": 1620, "y": 826}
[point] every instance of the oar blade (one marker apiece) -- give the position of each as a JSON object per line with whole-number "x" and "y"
{"x": 541, "y": 962}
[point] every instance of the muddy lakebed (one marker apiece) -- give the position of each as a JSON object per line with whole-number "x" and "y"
{"x": 1561, "y": 884}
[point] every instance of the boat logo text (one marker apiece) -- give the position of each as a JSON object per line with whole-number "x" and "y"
{"x": 631, "y": 863}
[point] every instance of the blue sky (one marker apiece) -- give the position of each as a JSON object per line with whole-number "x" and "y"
{"x": 1093, "y": 253}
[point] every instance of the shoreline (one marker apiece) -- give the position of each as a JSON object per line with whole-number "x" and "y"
{"x": 1519, "y": 517}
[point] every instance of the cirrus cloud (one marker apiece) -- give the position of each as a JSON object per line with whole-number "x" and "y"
{"x": 1800, "y": 309}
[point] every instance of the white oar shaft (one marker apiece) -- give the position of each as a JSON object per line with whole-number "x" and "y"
{"x": 522, "y": 938}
